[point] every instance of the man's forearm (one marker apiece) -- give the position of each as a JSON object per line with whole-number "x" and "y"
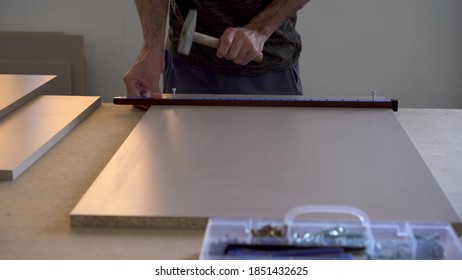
{"x": 153, "y": 16}
{"x": 274, "y": 15}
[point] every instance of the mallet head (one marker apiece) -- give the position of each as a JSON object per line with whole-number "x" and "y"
{"x": 187, "y": 33}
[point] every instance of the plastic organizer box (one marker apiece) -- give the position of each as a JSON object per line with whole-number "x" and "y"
{"x": 328, "y": 239}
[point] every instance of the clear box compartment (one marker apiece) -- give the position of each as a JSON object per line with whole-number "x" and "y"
{"x": 362, "y": 239}
{"x": 436, "y": 241}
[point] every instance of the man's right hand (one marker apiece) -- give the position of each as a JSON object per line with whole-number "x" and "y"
{"x": 143, "y": 77}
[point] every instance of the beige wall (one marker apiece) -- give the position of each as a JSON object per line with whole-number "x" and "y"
{"x": 405, "y": 49}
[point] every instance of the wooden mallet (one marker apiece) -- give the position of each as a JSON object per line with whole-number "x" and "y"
{"x": 189, "y": 35}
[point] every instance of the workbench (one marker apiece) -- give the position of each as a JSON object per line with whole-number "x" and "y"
{"x": 34, "y": 208}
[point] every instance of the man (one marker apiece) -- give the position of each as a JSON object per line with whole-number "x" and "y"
{"x": 245, "y": 28}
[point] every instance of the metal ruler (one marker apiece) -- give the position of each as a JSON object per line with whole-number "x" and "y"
{"x": 259, "y": 101}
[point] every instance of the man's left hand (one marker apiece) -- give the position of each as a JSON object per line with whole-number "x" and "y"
{"x": 240, "y": 44}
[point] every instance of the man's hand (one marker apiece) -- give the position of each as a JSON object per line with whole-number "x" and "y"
{"x": 240, "y": 44}
{"x": 143, "y": 77}
{"x": 243, "y": 44}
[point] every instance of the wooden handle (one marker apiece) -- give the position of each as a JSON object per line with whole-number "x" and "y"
{"x": 213, "y": 42}
{"x": 206, "y": 40}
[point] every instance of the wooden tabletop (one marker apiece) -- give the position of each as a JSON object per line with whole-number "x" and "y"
{"x": 34, "y": 209}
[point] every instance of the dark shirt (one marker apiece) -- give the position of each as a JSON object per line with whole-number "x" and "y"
{"x": 281, "y": 50}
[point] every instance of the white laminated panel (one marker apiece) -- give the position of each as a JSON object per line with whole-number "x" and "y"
{"x": 16, "y": 90}
{"x": 61, "y": 85}
{"x": 30, "y": 131}
{"x": 183, "y": 165}
{"x": 51, "y": 47}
